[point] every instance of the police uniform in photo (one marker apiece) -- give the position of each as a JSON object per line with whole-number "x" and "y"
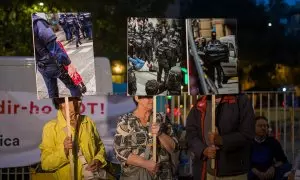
{"x": 147, "y": 47}
{"x": 163, "y": 54}
{"x": 70, "y": 25}
{"x": 159, "y": 34}
{"x": 131, "y": 82}
{"x": 175, "y": 52}
{"x": 62, "y": 22}
{"x": 217, "y": 64}
{"x": 173, "y": 83}
{"x": 132, "y": 137}
{"x": 201, "y": 46}
{"x": 50, "y": 58}
{"x": 82, "y": 23}
{"x": 171, "y": 34}
{"x": 152, "y": 34}
{"x": 74, "y": 28}
{"x": 177, "y": 37}
{"x": 88, "y": 25}
{"x": 130, "y": 39}
{"x": 138, "y": 45}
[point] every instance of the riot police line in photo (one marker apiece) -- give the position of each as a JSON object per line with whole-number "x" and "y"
{"x": 155, "y": 56}
{"x": 58, "y": 56}
{"x": 74, "y": 25}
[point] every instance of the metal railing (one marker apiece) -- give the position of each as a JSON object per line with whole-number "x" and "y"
{"x": 17, "y": 173}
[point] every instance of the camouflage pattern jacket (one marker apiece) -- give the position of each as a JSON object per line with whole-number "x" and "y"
{"x": 132, "y": 137}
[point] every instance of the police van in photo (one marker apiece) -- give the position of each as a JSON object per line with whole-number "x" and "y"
{"x": 230, "y": 68}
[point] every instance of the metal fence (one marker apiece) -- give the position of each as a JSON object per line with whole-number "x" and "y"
{"x": 18, "y": 173}
{"x": 281, "y": 109}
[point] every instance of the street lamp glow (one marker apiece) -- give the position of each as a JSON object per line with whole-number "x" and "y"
{"x": 283, "y": 89}
{"x": 269, "y": 24}
{"x": 118, "y": 69}
{"x": 41, "y": 4}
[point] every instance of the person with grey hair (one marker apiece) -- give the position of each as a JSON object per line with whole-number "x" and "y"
{"x": 134, "y": 139}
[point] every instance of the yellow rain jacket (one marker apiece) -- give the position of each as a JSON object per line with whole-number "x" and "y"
{"x": 53, "y": 156}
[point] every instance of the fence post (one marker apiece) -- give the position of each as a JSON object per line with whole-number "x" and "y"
{"x": 284, "y": 118}
{"x": 276, "y": 117}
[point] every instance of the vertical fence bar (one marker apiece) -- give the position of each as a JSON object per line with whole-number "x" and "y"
{"x": 179, "y": 110}
{"x": 8, "y": 173}
{"x": 191, "y": 102}
{"x": 184, "y": 109}
{"x": 260, "y": 104}
{"x": 23, "y": 173}
{"x": 284, "y": 118}
{"x": 167, "y": 103}
{"x": 268, "y": 108}
{"x": 161, "y": 98}
{"x": 293, "y": 125}
{"x": 172, "y": 109}
{"x": 253, "y": 103}
{"x": 16, "y": 173}
{"x": 276, "y": 116}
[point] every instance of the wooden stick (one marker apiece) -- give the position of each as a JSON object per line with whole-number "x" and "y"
{"x": 154, "y": 121}
{"x": 69, "y": 135}
{"x": 213, "y": 122}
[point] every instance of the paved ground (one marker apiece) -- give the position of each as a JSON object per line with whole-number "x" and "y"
{"x": 83, "y": 59}
{"x": 232, "y": 87}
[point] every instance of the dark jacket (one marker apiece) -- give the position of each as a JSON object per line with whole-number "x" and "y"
{"x": 235, "y": 124}
{"x": 263, "y": 154}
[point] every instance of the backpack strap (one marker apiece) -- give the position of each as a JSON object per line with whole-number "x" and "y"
{"x": 201, "y": 106}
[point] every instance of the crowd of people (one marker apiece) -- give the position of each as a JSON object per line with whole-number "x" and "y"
{"x": 241, "y": 146}
{"x": 155, "y": 47}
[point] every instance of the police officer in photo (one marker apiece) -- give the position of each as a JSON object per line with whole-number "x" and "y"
{"x": 175, "y": 52}
{"x": 74, "y": 28}
{"x": 81, "y": 21}
{"x": 50, "y": 59}
{"x": 171, "y": 34}
{"x": 163, "y": 54}
{"x": 138, "y": 45}
{"x": 147, "y": 47}
{"x": 152, "y": 33}
{"x": 216, "y": 64}
{"x": 62, "y": 22}
{"x": 87, "y": 24}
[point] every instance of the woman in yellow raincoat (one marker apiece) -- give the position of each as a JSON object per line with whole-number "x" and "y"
{"x": 88, "y": 149}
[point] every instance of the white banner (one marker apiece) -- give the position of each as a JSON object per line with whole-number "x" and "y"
{"x": 22, "y": 118}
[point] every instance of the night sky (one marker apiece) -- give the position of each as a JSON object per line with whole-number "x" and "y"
{"x": 290, "y": 2}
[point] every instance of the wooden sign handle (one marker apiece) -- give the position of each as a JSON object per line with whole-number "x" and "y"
{"x": 69, "y": 135}
{"x": 154, "y": 121}
{"x": 213, "y": 122}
